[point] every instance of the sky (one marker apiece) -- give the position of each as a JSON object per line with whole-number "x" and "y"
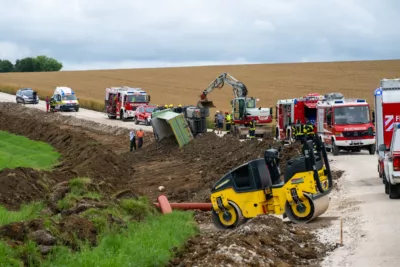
{"x": 104, "y": 34}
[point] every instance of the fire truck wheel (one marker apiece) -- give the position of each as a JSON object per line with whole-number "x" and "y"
{"x": 372, "y": 149}
{"x": 123, "y": 118}
{"x": 335, "y": 149}
{"x": 136, "y": 121}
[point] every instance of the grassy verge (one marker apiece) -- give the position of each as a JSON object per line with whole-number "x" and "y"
{"x": 27, "y": 212}
{"x": 110, "y": 231}
{"x": 19, "y": 151}
{"x": 84, "y": 103}
{"x": 146, "y": 243}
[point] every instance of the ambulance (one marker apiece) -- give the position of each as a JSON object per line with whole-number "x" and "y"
{"x": 387, "y": 113}
{"x": 64, "y": 99}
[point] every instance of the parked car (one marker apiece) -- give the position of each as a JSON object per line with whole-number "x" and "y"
{"x": 25, "y": 96}
{"x": 143, "y": 114}
{"x": 391, "y": 163}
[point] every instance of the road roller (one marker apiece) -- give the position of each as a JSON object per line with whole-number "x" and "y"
{"x": 257, "y": 187}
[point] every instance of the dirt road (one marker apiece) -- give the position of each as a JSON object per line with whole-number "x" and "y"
{"x": 85, "y": 114}
{"x": 370, "y": 218}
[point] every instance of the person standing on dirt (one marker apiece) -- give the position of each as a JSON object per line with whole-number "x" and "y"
{"x": 252, "y": 130}
{"x": 140, "y": 135}
{"x": 220, "y": 120}
{"x": 34, "y": 95}
{"x": 228, "y": 120}
{"x": 47, "y": 104}
{"x": 132, "y": 139}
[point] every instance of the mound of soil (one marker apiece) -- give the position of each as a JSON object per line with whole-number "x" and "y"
{"x": 263, "y": 241}
{"x": 188, "y": 173}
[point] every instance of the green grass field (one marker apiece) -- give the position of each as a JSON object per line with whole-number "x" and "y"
{"x": 18, "y": 151}
{"x": 148, "y": 239}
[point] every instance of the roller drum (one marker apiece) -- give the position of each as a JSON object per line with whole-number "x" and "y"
{"x": 316, "y": 207}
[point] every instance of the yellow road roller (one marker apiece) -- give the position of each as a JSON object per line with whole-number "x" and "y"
{"x": 256, "y": 188}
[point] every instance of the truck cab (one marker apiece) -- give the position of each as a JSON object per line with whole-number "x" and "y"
{"x": 345, "y": 124}
{"x": 391, "y": 164}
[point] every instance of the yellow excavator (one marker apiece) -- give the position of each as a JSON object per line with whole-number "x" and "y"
{"x": 256, "y": 188}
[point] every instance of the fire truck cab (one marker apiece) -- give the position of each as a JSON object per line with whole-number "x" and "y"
{"x": 387, "y": 113}
{"x": 295, "y": 111}
{"x": 121, "y": 102}
{"x": 345, "y": 124}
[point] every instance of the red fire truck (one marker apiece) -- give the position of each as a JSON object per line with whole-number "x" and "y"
{"x": 345, "y": 124}
{"x": 387, "y": 112}
{"x": 295, "y": 111}
{"x": 121, "y": 102}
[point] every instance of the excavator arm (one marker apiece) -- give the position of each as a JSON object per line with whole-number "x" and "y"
{"x": 239, "y": 89}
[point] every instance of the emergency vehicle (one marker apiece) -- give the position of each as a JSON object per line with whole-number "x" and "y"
{"x": 345, "y": 124}
{"x": 292, "y": 111}
{"x": 121, "y": 102}
{"x": 387, "y": 112}
{"x": 64, "y": 99}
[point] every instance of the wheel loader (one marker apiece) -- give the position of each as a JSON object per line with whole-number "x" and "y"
{"x": 256, "y": 188}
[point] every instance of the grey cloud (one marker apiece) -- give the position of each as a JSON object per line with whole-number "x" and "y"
{"x": 201, "y": 30}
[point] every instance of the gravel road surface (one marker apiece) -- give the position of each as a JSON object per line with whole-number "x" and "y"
{"x": 371, "y": 221}
{"x": 85, "y": 114}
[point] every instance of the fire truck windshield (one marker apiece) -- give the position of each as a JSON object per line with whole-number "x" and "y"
{"x": 251, "y": 103}
{"x": 351, "y": 115}
{"x": 137, "y": 98}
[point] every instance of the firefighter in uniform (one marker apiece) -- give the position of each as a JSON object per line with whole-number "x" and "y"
{"x": 303, "y": 132}
{"x": 228, "y": 120}
{"x": 252, "y": 130}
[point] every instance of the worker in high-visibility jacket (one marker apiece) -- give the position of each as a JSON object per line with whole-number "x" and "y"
{"x": 303, "y": 132}
{"x": 252, "y": 130}
{"x": 228, "y": 119}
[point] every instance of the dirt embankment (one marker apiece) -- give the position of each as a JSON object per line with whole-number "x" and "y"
{"x": 81, "y": 156}
{"x": 263, "y": 241}
{"x": 186, "y": 174}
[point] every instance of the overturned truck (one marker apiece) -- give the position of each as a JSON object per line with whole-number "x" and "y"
{"x": 183, "y": 123}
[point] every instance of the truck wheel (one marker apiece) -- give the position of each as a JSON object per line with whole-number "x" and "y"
{"x": 393, "y": 190}
{"x": 335, "y": 149}
{"x": 386, "y": 186}
{"x": 136, "y": 121}
{"x": 372, "y": 149}
{"x": 122, "y": 116}
{"x": 148, "y": 123}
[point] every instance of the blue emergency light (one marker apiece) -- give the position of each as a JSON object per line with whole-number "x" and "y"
{"x": 378, "y": 91}
{"x": 360, "y": 100}
{"x": 295, "y": 101}
{"x": 339, "y": 101}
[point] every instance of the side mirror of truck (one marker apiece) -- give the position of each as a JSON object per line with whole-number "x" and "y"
{"x": 382, "y": 148}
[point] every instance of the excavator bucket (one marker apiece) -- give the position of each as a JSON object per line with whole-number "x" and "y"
{"x": 205, "y": 104}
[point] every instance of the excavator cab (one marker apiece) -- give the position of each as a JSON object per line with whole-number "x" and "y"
{"x": 239, "y": 108}
{"x": 256, "y": 188}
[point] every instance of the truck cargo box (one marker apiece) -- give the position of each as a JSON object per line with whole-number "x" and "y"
{"x": 166, "y": 123}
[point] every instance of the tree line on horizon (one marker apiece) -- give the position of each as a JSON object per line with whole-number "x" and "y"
{"x": 30, "y": 64}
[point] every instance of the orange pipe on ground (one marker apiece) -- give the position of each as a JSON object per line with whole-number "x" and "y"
{"x": 189, "y": 206}
{"x": 167, "y": 207}
{"x": 164, "y": 204}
